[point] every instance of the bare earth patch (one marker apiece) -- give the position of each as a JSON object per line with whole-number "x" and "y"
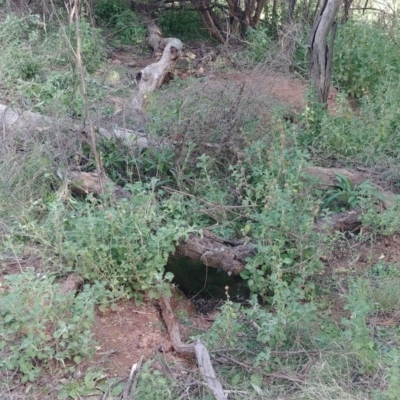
{"x": 284, "y": 88}
{"x": 131, "y": 331}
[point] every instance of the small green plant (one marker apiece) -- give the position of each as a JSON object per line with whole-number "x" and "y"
{"x": 392, "y": 372}
{"x": 357, "y": 332}
{"x": 39, "y": 325}
{"x": 153, "y": 384}
{"x": 226, "y": 329}
{"x": 383, "y": 269}
{"x": 93, "y": 383}
{"x": 345, "y": 195}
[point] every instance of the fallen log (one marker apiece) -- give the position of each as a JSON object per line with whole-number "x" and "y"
{"x": 152, "y": 77}
{"x": 91, "y": 182}
{"x": 216, "y": 253}
{"x": 21, "y": 121}
{"x": 328, "y": 176}
{"x": 347, "y": 221}
{"x": 20, "y": 124}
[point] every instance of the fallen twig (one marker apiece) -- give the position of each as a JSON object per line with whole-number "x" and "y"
{"x": 130, "y": 385}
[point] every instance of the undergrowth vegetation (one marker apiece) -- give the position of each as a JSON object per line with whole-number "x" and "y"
{"x": 42, "y": 327}
{"x": 309, "y": 327}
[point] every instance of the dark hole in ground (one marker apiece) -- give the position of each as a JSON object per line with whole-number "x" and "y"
{"x": 204, "y": 285}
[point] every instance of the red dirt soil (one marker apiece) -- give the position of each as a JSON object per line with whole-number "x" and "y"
{"x": 131, "y": 331}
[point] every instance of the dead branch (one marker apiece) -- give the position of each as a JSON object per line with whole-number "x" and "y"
{"x": 152, "y": 77}
{"x": 346, "y": 221}
{"x": 130, "y": 385}
{"x": 202, "y": 355}
{"x": 13, "y": 120}
{"x": 207, "y": 370}
{"x": 173, "y": 328}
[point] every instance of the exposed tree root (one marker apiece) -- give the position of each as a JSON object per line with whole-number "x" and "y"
{"x": 198, "y": 348}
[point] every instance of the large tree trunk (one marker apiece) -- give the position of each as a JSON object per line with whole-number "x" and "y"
{"x": 321, "y": 55}
{"x": 289, "y": 16}
{"x": 209, "y": 19}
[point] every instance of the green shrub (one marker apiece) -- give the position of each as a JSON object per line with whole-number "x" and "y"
{"x": 92, "y": 44}
{"x": 184, "y": 24}
{"x": 123, "y": 21}
{"x": 128, "y": 29}
{"x": 365, "y": 57}
{"x": 108, "y": 11}
{"x": 270, "y": 180}
{"x": 40, "y": 325}
{"x": 260, "y": 41}
{"x": 370, "y": 136}
{"x": 124, "y": 244}
{"x": 153, "y": 384}
{"x": 357, "y": 332}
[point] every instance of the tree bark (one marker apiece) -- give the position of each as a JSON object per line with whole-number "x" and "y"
{"x": 216, "y": 252}
{"x": 321, "y": 55}
{"x": 209, "y": 19}
{"x": 346, "y": 10}
{"x": 289, "y": 16}
{"x": 90, "y": 182}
